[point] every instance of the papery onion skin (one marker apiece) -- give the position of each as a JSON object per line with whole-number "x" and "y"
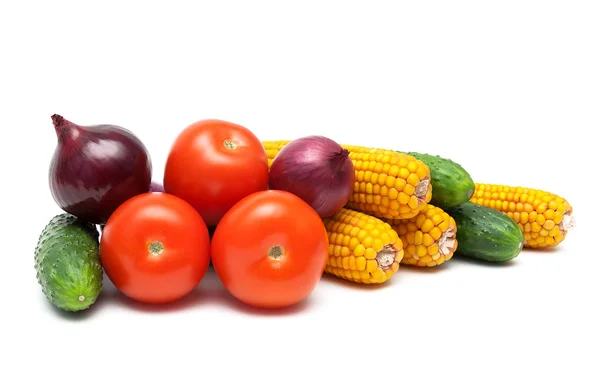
{"x": 94, "y": 169}
{"x": 318, "y": 170}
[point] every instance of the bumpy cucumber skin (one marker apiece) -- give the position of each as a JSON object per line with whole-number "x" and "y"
{"x": 486, "y": 234}
{"x": 67, "y": 263}
{"x": 451, "y": 184}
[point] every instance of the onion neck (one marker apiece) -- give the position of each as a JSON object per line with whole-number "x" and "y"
{"x": 64, "y": 128}
{"x": 338, "y": 158}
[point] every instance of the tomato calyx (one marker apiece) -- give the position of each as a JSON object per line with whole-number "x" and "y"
{"x": 229, "y": 144}
{"x": 276, "y": 252}
{"x": 156, "y": 248}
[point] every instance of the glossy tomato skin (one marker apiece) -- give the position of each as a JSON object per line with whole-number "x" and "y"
{"x": 166, "y": 270}
{"x": 243, "y": 239}
{"x": 213, "y": 164}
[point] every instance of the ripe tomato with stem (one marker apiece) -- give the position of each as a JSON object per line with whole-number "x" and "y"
{"x": 270, "y": 249}
{"x": 155, "y": 248}
{"x": 213, "y": 164}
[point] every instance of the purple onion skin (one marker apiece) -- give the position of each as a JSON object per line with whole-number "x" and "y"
{"x": 156, "y": 187}
{"x": 316, "y": 169}
{"x": 94, "y": 169}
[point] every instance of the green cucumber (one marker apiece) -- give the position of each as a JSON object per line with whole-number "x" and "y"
{"x": 451, "y": 184}
{"x": 67, "y": 263}
{"x": 486, "y": 234}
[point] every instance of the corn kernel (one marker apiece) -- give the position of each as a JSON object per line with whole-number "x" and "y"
{"x": 361, "y": 263}
{"x": 403, "y": 198}
{"x": 345, "y": 252}
{"x": 409, "y": 190}
{"x": 399, "y": 184}
{"x": 403, "y": 173}
{"x": 426, "y": 226}
{"x": 337, "y": 250}
{"x": 371, "y": 266}
{"x": 432, "y": 250}
{"x": 359, "y": 251}
{"x": 540, "y": 219}
{"x": 445, "y": 224}
{"x": 418, "y": 237}
{"x": 370, "y": 253}
{"x": 427, "y": 240}
{"x": 548, "y": 225}
{"x": 435, "y": 233}
{"x": 413, "y": 202}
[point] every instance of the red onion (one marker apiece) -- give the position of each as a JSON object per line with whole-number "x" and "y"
{"x": 156, "y": 187}
{"x": 96, "y": 168}
{"x": 316, "y": 169}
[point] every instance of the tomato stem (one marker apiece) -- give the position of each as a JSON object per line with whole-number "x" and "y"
{"x": 156, "y": 248}
{"x": 229, "y": 144}
{"x": 276, "y": 252}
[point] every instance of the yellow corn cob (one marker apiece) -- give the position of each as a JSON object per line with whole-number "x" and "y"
{"x": 362, "y": 248}
{"x": 429, "y": 239}
{"x": 544, "y": 218}
{"x": 272, "y": 147}
{"x": 387, "y": 184}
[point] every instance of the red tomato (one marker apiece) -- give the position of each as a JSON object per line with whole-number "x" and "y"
{"x": 155, "y": 248}
{"x": 270, "y": 249}
{"x": 213, "y": 164}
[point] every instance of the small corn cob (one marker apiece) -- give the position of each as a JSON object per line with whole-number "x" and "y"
{"x": 544, "y": 218}
{"x": 362, "y": 248}
{"x": 387, "y": 184}
{"x": 429, "y": 239}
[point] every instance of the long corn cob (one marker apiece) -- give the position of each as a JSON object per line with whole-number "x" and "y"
{"x": 544, "y": 217}
{"x": 362, "y": 248}
{"x": 387, "y": 184}
{"x": 429, "y": 239}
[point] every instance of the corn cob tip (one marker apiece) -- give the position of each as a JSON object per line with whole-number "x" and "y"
{"x": 446, "y": 246}
{"x": 567, "y": 223}
{"x": 447, "y": 241}
{"x": 386, "y": 257}
{"x": 422, "y": 189}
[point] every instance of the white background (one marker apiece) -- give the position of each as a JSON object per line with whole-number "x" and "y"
{"x": 504, "y": 88}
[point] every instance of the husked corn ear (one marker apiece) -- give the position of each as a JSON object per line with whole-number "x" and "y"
{"x": 429, "y": 238}
{"x": 544, "y": 217}
{"x": 362, "y": 248}
{"x": 387, "y": 184}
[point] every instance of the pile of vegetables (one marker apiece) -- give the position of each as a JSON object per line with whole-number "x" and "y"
{"x": 272, "y": 216}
